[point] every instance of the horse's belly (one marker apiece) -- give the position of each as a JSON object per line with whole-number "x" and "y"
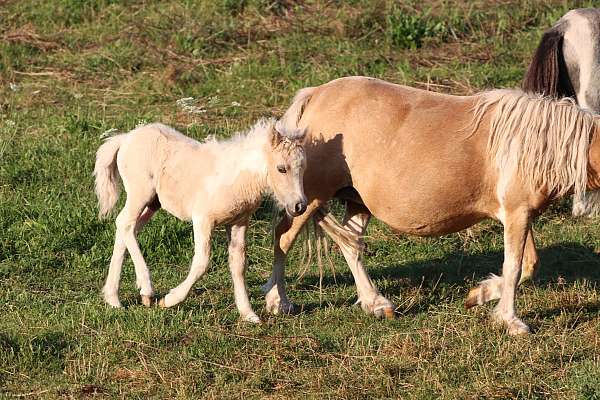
{"x": 432, "y": 226}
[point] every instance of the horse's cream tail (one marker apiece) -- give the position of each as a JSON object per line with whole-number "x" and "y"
{"x": 107, "y": 175}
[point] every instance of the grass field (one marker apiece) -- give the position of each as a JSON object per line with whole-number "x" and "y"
{"x": 71, "y": 70}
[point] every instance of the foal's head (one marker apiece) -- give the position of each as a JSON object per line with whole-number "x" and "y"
{"x": 285, "y": 168}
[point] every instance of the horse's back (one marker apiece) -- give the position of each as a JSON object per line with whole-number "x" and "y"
{"x": 408, "y": 152}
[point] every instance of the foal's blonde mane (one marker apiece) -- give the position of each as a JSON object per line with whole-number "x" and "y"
{"x": 545, "y": 139}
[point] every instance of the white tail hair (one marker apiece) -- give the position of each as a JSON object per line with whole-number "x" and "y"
{"x": 107, "y": 175}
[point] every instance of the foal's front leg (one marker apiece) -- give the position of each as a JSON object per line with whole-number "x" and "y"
{"x": 516, "y": 228}
{"x": 202, "y": 233}
{"x": 237, "y": 265}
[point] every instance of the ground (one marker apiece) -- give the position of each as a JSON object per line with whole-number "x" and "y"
{"x": 71, "y": 71}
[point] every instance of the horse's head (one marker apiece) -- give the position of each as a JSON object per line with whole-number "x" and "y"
{"x": 285, "y": 165}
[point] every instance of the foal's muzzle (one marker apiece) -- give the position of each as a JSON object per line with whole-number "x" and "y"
{"x": 298, "y": 209}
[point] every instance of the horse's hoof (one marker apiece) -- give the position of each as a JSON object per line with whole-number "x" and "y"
{"x": 517, "y": 328}
{"x": 276, "y": 305}
{"x": 147, "y": 300}
{"x": 380, "y": 307}
{"x": 473, "y": 298}
{"x": 161, "y": 303}
{"x": 388, "y": 313}
{"x": 280, "y": 308}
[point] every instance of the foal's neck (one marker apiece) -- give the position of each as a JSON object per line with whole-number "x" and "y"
{"x": 247, "y": 160}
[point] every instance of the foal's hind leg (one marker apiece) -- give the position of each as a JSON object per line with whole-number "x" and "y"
{"x": 286, "y": 232}
{"x": 110, "y": 290}
{"x": 127, "y": 223}
{"x": 491, "y": 288}
{"x": 356, "y": 220}
{"x": 142, "y": 220}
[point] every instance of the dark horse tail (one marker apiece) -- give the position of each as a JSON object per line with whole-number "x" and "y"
{"x": 547, "y": 74}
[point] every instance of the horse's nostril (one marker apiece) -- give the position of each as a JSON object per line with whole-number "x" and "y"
{"x": 300, "y": 207}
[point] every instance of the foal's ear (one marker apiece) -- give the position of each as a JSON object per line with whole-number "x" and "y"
{"x": 276, "y": 136}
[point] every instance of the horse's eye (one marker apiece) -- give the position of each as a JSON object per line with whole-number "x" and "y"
{"x": 281, "y": 169}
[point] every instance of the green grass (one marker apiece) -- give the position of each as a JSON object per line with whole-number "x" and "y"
{"x": 71, "y": 70}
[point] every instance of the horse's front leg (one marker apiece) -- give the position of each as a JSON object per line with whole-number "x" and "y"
{"x": 356, "y": 220}
{"x": 491, "y": 288}
{"x": 237, "y": 265}
{"x": 516, "y": 227}
{"x": 202, "y": 233}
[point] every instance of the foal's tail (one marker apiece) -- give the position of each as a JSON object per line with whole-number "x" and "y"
{"x": 547, "y": 74}
{"x": 107, "y": 175}
{"x": 292, "y": 116}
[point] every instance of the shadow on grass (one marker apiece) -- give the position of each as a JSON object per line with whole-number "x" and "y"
{"x": 565, "y": 263}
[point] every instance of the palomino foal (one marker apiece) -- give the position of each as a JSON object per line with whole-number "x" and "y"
{"x": 211, "y": 183}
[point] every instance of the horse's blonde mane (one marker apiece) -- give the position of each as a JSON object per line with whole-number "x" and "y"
{"x": 545, "y": 139}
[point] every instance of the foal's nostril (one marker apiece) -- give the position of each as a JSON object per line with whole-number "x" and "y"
{"x": 300, "y": 207}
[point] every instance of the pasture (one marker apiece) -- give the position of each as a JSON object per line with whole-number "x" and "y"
{"x": 72, "y": 71}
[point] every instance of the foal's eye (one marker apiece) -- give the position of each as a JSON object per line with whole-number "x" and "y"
{"x": 281, "y": 169}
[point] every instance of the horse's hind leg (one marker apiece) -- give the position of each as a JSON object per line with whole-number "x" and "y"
{"x": 491, "y": 288}
{"x": 286, "y": 232}
{"x": 356, "y": 220}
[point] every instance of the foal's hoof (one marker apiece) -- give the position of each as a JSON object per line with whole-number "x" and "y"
{"x": 146, "y": 300}
{"x": 161, "y": 303}
{"x": 113, "y": 301}
{"x": 252, "y": 318}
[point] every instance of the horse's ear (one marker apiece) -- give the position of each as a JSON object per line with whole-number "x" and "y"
{"x": 301, "y": 134}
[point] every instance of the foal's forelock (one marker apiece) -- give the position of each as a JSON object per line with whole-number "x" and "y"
{"x": 546, "y": 140}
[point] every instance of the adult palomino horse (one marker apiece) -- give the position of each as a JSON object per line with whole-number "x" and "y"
{"x": 567, "y": 64}
{"x": 211, "y": 183}
{"x": 429, "y": 164}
